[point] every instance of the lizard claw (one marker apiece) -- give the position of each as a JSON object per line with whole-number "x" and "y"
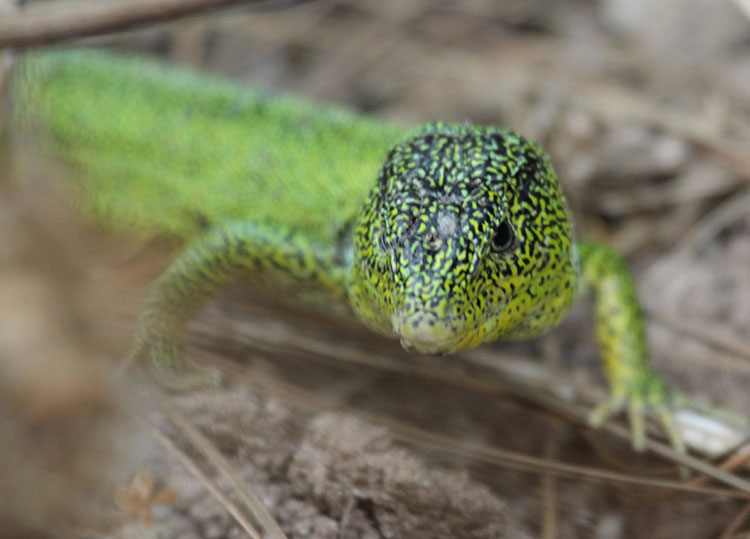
{"x": 646, "y": 396}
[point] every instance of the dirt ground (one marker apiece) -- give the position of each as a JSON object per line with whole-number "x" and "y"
{"x": 644, "y": 107}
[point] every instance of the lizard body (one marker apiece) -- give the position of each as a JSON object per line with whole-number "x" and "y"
{"x": 141, "y": 142}
{"x": 444, "y": 237}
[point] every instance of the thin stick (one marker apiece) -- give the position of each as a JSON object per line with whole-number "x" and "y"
{"x": 735, "y": 462}
{"x": 296, "y": 345}
{"x": 204, "y": 445}
{"x": 716, "y": 220}
{"x": 212, "y": 487}
{"x": 7, "y": 7}
{"x": 725, "y": 343}
{"x": 736, "y": 523}
{"x": 42, "y": 26}
{"x": 550, "y": 501}
{"x": 492, "y": 455}
{"x": 618, "y": 103}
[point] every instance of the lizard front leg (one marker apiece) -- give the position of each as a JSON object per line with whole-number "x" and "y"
{"x": 621, "y": 335}
{"x": 204, "y": 267}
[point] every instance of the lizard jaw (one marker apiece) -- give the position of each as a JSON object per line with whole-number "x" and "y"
{"x": 424, "y": 332}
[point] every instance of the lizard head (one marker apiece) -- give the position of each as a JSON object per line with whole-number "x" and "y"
{"x": 464, "y": 239}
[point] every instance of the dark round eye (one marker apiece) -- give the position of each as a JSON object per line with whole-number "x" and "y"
{"x": 505, "y": 238}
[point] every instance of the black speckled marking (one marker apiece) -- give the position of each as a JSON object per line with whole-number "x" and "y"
{"x": 424, "y": 240}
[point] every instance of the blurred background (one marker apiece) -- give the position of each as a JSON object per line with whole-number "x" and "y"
{"x": 644, "y": 107}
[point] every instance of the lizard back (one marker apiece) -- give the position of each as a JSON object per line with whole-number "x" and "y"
{"x": 170, "y": 152}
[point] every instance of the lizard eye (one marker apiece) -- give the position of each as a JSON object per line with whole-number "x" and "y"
{"x": 505, "y": 239}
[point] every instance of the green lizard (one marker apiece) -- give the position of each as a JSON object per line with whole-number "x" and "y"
{"x": 444, "y": 237}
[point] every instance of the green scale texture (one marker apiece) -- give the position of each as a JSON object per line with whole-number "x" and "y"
{"x": 175, "y": 153}
{"x": 467, "y": 226}
{"x": 445, "y": 238}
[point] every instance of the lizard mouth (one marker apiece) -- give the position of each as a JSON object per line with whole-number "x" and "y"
{"x": 437, "y": 347}
{"x": 424, "y": 332}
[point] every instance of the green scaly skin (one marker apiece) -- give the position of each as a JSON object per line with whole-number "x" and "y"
{"x": 465, "y": 237}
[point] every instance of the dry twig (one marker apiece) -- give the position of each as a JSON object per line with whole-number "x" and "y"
{"x": 442, "y": 444}
{"x": 610, "y": 102}
{"x": 42, "y": 25}
{"x": 545, "y": 399}
{"x": 204, "y": 445}
{"x": 525, "y": 379}
{"x": 734, "y": 527}
{"x": 703, "y": 335}
{"x": 212, "y": 487}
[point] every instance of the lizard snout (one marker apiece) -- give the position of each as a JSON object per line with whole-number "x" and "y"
{"x": 423, "y": 331}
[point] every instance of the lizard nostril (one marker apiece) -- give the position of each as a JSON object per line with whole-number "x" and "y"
{"x": 432, "y": 241}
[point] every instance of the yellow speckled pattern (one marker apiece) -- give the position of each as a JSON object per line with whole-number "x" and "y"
{"x": 446, "y": 237}
{"x": 466, "y": 227}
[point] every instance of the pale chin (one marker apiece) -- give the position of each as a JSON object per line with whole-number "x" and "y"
{"x": 422, "y": 331}
{"x": 435, "y": 348}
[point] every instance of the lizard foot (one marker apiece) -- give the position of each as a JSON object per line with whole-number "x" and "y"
{"x": 643, "y": 396}
{"x": 164, "y": 355}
